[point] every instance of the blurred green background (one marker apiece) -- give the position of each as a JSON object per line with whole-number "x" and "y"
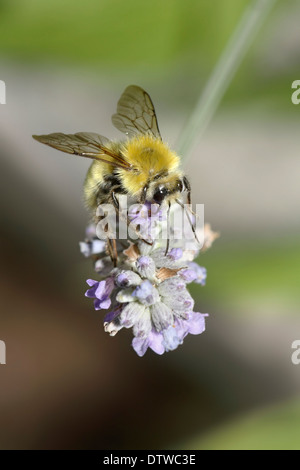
{"x": 66, "y": 383}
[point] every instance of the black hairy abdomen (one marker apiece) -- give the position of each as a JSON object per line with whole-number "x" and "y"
{"x": 112, "y": 183}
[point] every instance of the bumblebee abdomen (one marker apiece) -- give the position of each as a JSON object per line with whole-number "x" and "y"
{"x": 92, "y": 184}
{"x": 101, "y": 180}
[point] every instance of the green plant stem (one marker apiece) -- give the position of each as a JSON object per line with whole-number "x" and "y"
{"x": 222, "y": 74}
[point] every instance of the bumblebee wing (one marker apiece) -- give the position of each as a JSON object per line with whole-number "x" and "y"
{"x": 136, "y": 113}
{"x": 85, "y": 144}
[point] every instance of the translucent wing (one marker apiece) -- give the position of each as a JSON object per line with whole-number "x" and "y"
{"x": 135, "y": 113}
{"x": 85, "y": 144}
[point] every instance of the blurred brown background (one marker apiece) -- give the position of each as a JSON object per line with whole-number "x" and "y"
{"x": 68, "y": 385}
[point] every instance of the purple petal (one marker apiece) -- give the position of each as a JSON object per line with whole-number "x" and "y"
{"x": 91, "y": 282}
{"x": 90, "y": 231}
{"x": 143, "y": 261}
{"x": 182, "y": 329}
{"x": 91, "y": 292}
{"x": 110, "y": 316}
{"x": 122, "y": 279}
{"x": 156, "y": 342}
{"x": 171, "y": 338}
{"x": 97, "y": 304}
{"x": 100, "y": 291}
{"x": 200, "y": 273}
{"x": 144, "y": 290}
{"x": 97, "y": 246}
{"x": 189, "y": 275}
{"x": 85, "y": 248}
{"x": 157, "y": 212}
{"x": 102, "y": 304}
{"x": 197, "y": 323}
{"x": 105, "y": 304}
{"x": 140, "y": 345}
{"x": 105, "y": 288}
{"x": 92, "y": 247}
{"x": 175, "y": 254}
{"x": 138, "y": 213}
{"x": 127, "y": 279}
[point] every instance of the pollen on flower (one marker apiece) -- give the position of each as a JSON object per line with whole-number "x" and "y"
{"x": 147, "y": 291}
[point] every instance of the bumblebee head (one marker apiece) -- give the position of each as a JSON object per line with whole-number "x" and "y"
{"x": 168, "y": 189}
{"x": 164, "y": 190}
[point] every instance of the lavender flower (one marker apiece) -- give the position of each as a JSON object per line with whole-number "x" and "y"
{"x": 101, "y": 291}
{"x": 139, "y": 216}
{"x": 91, "y": 245}
{"x": 194, "y": 273}
{"x": 147, "y": 291}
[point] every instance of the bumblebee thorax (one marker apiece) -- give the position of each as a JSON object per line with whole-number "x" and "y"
{"x": 150, "y": 154}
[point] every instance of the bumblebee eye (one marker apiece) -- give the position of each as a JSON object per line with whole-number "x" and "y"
{"x": 160, "y": 194}
{"x": 180, "y": 186}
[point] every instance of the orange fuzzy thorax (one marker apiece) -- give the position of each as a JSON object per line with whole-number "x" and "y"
{"x": 150, "y": 156}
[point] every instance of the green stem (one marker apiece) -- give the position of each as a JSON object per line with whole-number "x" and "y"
{"x": 223, "y": 73}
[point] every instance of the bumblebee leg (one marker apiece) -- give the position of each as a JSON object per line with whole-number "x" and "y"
{"x": 115, "y": 201}
{"x": 115, "y": 252}
{"x": 112, "y": 250}
{"x": 190, "y": 222}
{"x": 168, "y": 228}
{"x": 108, "y": 248}
{"x": 189, "y": 194}
{"x": 189, "y": 190}
{"x": 144, "y": 193}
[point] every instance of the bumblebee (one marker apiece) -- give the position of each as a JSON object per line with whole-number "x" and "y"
{"x": 142, "y": 167}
